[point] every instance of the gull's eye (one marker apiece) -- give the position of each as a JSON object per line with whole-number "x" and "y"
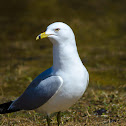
{"x": 57, "y": 29}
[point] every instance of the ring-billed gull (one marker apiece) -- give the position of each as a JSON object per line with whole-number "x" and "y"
{"x": 60, "y": 86}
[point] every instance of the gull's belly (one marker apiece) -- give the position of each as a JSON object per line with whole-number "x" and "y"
{"x": 71, "y": 90}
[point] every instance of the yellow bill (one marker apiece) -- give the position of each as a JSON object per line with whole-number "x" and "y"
{"x": 42, "y": 35}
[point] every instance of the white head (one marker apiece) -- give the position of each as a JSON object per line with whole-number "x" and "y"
{"x": 58, "y": 33}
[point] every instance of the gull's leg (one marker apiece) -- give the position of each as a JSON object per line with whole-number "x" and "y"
{"x": 48, "y": 120}
{"x": 58, "y": 118}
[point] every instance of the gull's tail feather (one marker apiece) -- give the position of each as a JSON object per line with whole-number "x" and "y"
{"x": 4, "y": 108}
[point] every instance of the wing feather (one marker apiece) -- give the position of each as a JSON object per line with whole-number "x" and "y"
{"x": 38, "y": 92}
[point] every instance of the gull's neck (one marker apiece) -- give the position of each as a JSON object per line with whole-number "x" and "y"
{"x": 65, "y": 56}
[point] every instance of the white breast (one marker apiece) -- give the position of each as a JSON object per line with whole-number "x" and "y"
{"x": 72, "y": 89}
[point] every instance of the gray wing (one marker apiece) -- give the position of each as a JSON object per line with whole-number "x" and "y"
{"x": 38, "y": 92}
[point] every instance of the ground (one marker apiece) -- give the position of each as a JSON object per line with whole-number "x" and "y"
{"x": 100, "y": 30}
{"x": 97, "y": 107}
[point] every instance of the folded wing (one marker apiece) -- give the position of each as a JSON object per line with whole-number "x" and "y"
{"x": 38, "y": 92}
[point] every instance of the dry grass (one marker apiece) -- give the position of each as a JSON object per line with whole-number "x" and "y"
{"x": 87, "y": 111}
{"x": 100, "y": 30}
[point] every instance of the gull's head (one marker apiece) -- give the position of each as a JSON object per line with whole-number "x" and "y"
{"x": 58, "y": 33}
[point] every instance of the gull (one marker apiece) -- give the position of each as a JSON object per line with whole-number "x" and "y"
{"x": 59, "y": 87}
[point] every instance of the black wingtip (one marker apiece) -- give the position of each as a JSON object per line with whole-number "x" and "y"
{"x": 4, "y": 108}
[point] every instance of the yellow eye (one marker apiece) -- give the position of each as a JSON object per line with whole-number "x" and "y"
{"x": 57, "y": 29}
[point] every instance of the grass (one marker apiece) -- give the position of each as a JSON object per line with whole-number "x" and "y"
{"x": 87, "y": 111}
{"x": 100, "y": 30}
